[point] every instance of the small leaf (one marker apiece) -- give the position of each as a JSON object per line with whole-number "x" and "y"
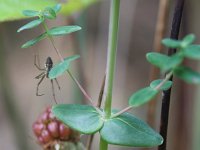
{"x": 187, "y": 74}
{"x": 127, "y": 130}
{"x": 30, "y": 25}
{"x": 31, "y": 13}
{"x": 60, "y": 68}
{"x": 56, "y": 31}
{"x": 165, "y": 86}
{"x": 49, "y": 13}
{"x": 187, "y": 40}
{"x": 164, "y": 62}
{"x": 57, "y": 8}
{"x": 171, "y": 43}
{"x": 142, "y": 96}
{"x": 83, "y": 118}
{"x": 192, "y": 51}
{"x": 34, "y": 41}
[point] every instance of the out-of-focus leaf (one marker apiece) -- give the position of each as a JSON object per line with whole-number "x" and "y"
{"x": 30, "y": 13}
{"x": 57, "y": 8}
{"x": 171, "y": 43}
{"x": 34, "y": 41}
{"x": 165, "y": 86}
{"x": 30, "y": 25}
{"x": 192, "y": 51}
{"x": 187, "y": 40}
{"x": 12, "y": 9}
{"x": 49, "y": 13}
{"x": 56, "y": 31}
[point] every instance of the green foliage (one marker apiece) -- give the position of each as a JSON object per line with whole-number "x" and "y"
{"x": 60, "y": 68}
{"x": 142, "y": 96}
{"x": 30, "y": 25}
{"x": 171, "y": 43}
{"x": 83, "y": 118}
{"x": 187, "y": 40}
{"x": 34, "y": 41}
{"x": 187, "y": 75}
{"x": 57, "y": 31}
{"x": 157, "y": 82}
{"x": 31, "y": 13}
{"x": 127, "y": 130}
{"x": 192, "y": 52}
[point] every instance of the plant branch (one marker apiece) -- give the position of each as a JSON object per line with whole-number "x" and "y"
{"x": 178, "y": 11}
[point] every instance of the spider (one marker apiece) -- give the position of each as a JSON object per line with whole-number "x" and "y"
{"x": 45, "y": 73}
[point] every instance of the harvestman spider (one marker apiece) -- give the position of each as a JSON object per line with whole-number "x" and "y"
{"x": 45, "y": 73}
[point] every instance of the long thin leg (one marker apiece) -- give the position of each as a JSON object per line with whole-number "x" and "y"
{"x": 39, "y": 85}
{"x": 53, "y": 91}
{"x": 37, "y": 65}
{"x": 57, "y": 83}
{"x": 40, "y": 75}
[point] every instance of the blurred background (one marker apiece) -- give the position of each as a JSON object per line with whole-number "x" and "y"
{"x": 19, "y": 105}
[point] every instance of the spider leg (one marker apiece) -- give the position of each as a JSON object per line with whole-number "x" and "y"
{"x": 40, "y": 75}
{"x": 37, "y": 65}
{"x": 57, "y": 83}
{"x": 53, "y": 91}
{"x": 42, "y": 78}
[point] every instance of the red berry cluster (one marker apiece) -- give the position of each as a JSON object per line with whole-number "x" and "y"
{"x": 49, "y": 130}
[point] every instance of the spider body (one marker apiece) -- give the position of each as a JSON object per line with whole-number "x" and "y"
{"x": 45, "y": 73}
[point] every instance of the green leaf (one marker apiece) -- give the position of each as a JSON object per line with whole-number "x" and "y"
{"x": 164, "y": 62}
{"x": 30, "y": 25}
{"x": 171, "y": 43}
{"x": 60, "y": 68}
{"x": 127, "y": 130}
{"x": 187, "y": 74}
{"x": 12, "y": 9}
{"x": 57, "y": 8}
{"x": 142, "y": 96}
{"x": 83, "y": 118}
{"x": 165, "y": 86}
{"x": 34, "y": 41}
{"x": 56, "y": 31}
{"x": 187, "y": 40}
{"x": 192, "y": 51}
{"x": 49, "y": 13}
{"x": 31, "y": 13}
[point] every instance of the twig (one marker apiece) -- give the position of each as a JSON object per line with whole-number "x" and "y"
{"x": 178, "y": 11}
{"x": 161, "y": 24}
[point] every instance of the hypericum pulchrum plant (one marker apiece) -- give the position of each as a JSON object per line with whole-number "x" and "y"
{"x": 116, "y": 127}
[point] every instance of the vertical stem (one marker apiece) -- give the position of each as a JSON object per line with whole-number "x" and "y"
{"x": 166, "y": 94}
{"x": 111, "y": 55}
{"x": 111, "y": 59}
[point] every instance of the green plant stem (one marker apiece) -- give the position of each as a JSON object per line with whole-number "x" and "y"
{"x": 111, "y": 55}
{"x": 167, "y": 77}
{"x": 70, "y": 74}
{"x": 103, "y": 144}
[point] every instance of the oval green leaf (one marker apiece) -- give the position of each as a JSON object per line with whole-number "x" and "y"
{"x": 60, "y": 68}
{"x": 192, "y": 51}
{"x": 187, "y": 74}
{"x": 30, "y": 25}
{"x": 34, "y": 41}
{"x": 83, "y": 118}
{"x": 187, "y": 40}
{"x": 127, "y": 130}
{"x": 165, "y": 86}
{"x": 31, "y": 13}
{"x": 142, "y": 96}
{"x": 56, "y": 31}
{"x": 49, "y": 13}
{"x": 171, "y": 43}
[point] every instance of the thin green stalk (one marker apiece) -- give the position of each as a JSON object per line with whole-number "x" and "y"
{"x": 111, "y": 59}
{"x": 111, "y": 55}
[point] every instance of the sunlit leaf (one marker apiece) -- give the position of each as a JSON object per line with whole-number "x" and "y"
{"x": 34, "y": 41}
{"x": 56, "y": 31}
{"x": 187, "y": 74}
{"x": 165, "y": 86}
{"x": 142, "y": 96}
{"x": 30, "y": 13}
{"x": 60, "y": 68}
{"x": 192, "y": 51}
{"x": 12, "y": 9}
{"x": 171, "y": 43}
{"x": 30, "y": 25}
{"x": 187, "y": 40}
{"x": 83, "y": 118}
{"x": 127, "y": 130}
